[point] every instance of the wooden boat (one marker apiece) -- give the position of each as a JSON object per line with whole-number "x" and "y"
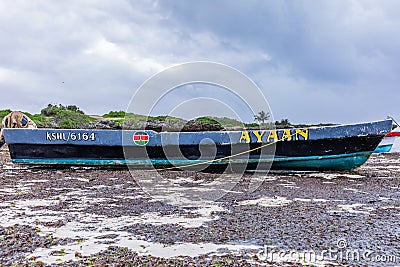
{"x": 342, "y": 147}
{"x": 387, "y": 142}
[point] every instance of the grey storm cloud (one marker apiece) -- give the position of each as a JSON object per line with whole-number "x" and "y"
{"x": 315, "y": 61}
{"x": 325, "y": 40}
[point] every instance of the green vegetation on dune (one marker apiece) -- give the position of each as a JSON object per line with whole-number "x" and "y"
{"x": 252, "y": 125}
{"x": 123, "y": 114}
{"x": 138, "y": 117}
{"x": 60, "y": 116}
{"x": 164, "y": 118}
{"x": 57, "y": 116}
{"x": 70, "y": 116}
{"x": 4, "y": 113}
{"x": 284, "y": 123}
{"x": 39, "y": 119}
{"x": 226, "y": 122}
{"x": 207, "y": 120}
{"x": 54, "y": 110}
{"x": 71, "y": 119}
{"x": 115, "y": 114}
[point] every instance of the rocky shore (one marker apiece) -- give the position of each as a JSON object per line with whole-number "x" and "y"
{"x": 158, "y": 126}
{"x": 94, "y": 217}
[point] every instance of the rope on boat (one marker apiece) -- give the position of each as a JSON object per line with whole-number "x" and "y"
{"x": 220, "y": 159}
{"x": 234, "y": 155}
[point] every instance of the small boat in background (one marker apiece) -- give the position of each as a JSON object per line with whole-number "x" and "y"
{"x": 342, "y": 147}
{"x": 386, "y": 145}
{"x": 396, "y": 146}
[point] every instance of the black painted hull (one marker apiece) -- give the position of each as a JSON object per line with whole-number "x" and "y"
{"x": 309, "y": 150}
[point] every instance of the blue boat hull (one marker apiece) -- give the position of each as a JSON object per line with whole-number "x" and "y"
{"x": 310, "y": 163}
{"x": 322, "y": 148}
{"x": 383, "y": 148}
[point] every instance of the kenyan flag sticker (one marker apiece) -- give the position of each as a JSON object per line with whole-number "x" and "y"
{"x": 141, "y": 138}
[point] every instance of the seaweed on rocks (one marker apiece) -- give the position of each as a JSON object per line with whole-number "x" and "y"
{"x": 17, "y": 240}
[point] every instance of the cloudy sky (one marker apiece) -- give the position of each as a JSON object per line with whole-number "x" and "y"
{"x": 315, "y": 61}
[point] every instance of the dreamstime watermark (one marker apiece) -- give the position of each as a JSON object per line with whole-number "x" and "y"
{"x": 341, "y": 252}
{"x": 193, "y": 90}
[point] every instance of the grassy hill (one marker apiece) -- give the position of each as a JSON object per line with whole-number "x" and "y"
{"x": 56, "y": 116}
{"x": 70, "y": 116}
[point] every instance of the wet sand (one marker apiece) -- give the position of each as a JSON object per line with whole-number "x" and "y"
{"x": 80, "y": 217}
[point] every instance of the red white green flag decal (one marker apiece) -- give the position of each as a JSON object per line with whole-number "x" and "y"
{"x": 141, "y": 138}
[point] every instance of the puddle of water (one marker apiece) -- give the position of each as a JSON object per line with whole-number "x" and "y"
{"x": 38, "y": 181}
{"x": 354, "y": 190}
{"x": 20, "y": 212}
{"x": 142, "y": 247}
{"x": 98, "y": 187}
{"x": 76, "y": 178}
{"x": 354, "y": 176}
{"x": 8, "y": 191}
{"x": 26, "y": 204}
{"x": 270, "y": 179}
{"x": 289, "y": 185}
{"x": 267, "y": 201}
{"x": 91, "y": 228}
{"x": 323, "y": 200}
{"x": 136, "y": 196}
{"x": 331, "y": 176}
{"x": 314, "y": 200}
{"x": 389, "y": 207}
{"x": 156, "y": 219}
{"x": 12, "y": 167}
{"x": 302, "y": 199}
{"x": 183, "y": 180}
{"x": 353, "y": 208}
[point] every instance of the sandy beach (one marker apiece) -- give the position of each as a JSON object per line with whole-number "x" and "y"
{"x": 81, "y": 217}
